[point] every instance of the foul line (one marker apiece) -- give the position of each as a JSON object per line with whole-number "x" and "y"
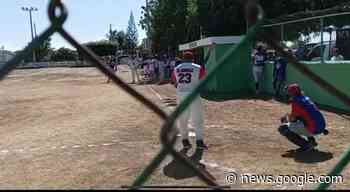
{"x": 156, "y": 93}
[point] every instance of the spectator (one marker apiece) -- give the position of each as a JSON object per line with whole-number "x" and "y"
{"x": 337, "y": 56}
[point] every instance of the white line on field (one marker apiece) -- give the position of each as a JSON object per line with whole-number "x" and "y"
{"x": 108, "y": 144}
{"x": 218, "y": 167}
{"x": 19, "y": 150}
{"x": 156, "y": 93}
{"x": 5, "y": 151}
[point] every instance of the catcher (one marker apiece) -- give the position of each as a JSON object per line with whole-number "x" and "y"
{"x": 305, "y": 121}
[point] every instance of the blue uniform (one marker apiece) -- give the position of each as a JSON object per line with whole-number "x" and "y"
{"x": 306, "y": 110}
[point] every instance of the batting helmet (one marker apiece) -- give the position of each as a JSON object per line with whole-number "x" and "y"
{"x": 188, "y": 55}
{"x": 294, "y": 90}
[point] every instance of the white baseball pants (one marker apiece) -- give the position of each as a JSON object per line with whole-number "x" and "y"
{"x": 133, "y": 74}
{"x": 193, "y": 112}
{"x": 258, "y": 73}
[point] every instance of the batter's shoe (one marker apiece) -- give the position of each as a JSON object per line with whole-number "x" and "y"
{"x": 186, "y": 144}
{"x": 312, "y": 141}
{"x": 201, "y": 145}
{"x": 306, "y": 148}
{"x": 325, "y": 132}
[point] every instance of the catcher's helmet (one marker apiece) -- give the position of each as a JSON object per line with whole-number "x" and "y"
{"x": 294, "y": 90}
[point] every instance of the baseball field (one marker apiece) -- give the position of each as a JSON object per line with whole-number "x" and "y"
{"x": 66, "y": 128}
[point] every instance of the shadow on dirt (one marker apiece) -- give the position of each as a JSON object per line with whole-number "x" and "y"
{"x": 177, "y": 170}
{"x": 311, "y": 157}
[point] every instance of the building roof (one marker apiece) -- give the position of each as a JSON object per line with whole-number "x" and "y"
{"x": 209, "y": 41}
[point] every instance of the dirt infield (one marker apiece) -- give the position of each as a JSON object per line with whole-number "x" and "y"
{"x": 65, "y": 128}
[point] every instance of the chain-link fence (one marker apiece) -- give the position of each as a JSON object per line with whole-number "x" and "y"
{"x": 58, "y": 15}
{"x": 315, "y": 39}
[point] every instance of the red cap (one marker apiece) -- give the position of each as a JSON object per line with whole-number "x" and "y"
{"x": 188, "y": 55}
{"x": 294, "y": 90}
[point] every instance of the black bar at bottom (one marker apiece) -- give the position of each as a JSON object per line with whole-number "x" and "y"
{"x": 176, "y": 187}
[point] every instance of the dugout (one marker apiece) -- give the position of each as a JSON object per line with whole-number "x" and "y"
{"x": 234, "y": 79}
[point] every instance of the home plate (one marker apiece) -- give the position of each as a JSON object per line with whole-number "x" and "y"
{"x": 190, "y": 134}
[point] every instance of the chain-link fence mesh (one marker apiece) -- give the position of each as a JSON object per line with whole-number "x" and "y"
{"x": 58, "y": 15}
{"x": 316, "y": 39}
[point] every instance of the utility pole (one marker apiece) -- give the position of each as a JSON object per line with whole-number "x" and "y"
{"x": 110, "y": 32}
{"x": 30, "y": 9}
{"x": 35, "y": 34}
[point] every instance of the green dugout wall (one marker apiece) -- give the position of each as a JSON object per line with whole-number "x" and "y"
{"x": 338, "y": 74}
{"x": 235, "y": 79}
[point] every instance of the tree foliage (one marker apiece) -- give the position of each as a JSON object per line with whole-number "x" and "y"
{"x": 169, "y": 23}
{"x": 118, "y": 38}
{"x": 64, "y": 54}
{"x": 44, "y": 52}
{"x": 131, "y": 33}
{"x": 102, "y": 48}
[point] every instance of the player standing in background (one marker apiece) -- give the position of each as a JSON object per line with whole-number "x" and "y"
{"x": 186, "y": 77}
{"x": 112, "y": 63}
{"x": 133, "y": 64}
{"x": 172, "y": 64}
{"x": 162, "y": 67}
{"x": 279, "y": 74}
{"x": 259, "y": 60}
{"x": 156, "y": 68}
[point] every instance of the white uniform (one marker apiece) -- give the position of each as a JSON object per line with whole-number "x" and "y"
{"x": 187, "y": 76}
{"x": 258, "y": 68}
{"x": 133, "y": 64}
{"x": 161, "y": 65}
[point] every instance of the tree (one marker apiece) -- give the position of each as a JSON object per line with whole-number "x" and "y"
{"x": 64, "y": 54}
{"x": 170, "y": 23}
{"x": 146, "y": 18}
{"x": 44, "y": 51}
{"x": 102, "y": 48}
{"x": 119, "y": 38}
{"x": 132, "y": 34}
{"x": 112, "y": 35}
{"x": 122, "y": 40}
